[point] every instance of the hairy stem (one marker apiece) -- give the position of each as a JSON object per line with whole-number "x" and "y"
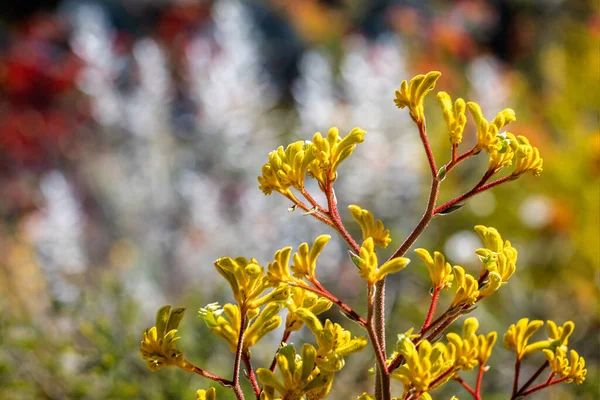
{"x": 188, "y": 366}
{"x": 314, "y": 213}
{"x": 237, "y": 389}
{"x": 251, "y": 376}
{"x": 434, "y": 298}
{"x": 476, "y": 190}
{"x": 353, "y": 315}
{"x": 313, "y": 202}
{"x": 336, "y": 221}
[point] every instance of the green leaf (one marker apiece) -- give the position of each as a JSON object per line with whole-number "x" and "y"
{"x": 451, "y": 209}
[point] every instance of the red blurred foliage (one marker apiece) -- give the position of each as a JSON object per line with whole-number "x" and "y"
{"x": 38, "y": 72}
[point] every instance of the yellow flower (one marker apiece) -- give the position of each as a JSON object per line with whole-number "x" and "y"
{"x": 440, "y": 271}
{"x": 456, "y": 117}
{"x": 300, "y": 375}
{"x": 210, "y": 394}
{"x": 527, "y": 158}
{"x": 465, "y": 348}
{"x": 491, "y": 238}
{"x": 423, "y": 365}
{"x": 286, "y": 169}
{"x": 578, "y": 371}
{"x": 499, "y": 258}
{"x": 518, "y": 335}
{"x": 559, "y": 335}
{"x": 486, "y": 344}
{"x": 245, "y": 277}
{"x": 487, "y": 132}
{"x": 574, "y": 368}
{"x": 368, "y": 264}
{"x": 413, "y": 94}
{"x": 466, "y": 288}
{"x": 503, "y": 156}
{"x": 334, "y": 343}
{"x": 158, "y": 343}
{"x": 370, "y": 227}
{"x": 365, "y": 396}
{"x": 557, "y": 360}
{"x": 330, "y": 151}
{"x": 226, "y": 322}
{"x": 303, "y": 299}
{"x": 305, "y": 261}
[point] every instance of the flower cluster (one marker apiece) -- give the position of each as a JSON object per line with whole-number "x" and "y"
{"x": 428, "y": 365}
{"x": 412, "y": 94}
{"x": 300, "y": 375}
{"x": 158, "y": 343}
{"x": 370, "y": 227}
{"x": 320, "y": 158}
{"x": 368, "y": 265}
{"x": 422, "y": 362}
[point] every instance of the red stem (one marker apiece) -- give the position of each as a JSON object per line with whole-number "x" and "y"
{"x": 477, "y": 189}
{"x": 432, "y": 306}
{"x": 312, "y": 201}
{"x": 187, "y": 366}
{"x": 304, "y": 207}
{"x": 251, "y": 375}
{"x": 544, "y": 385}
{"x": 345, "y": 308}
{"x": 516, "y": 380}
{"x": 533, "y": 377}
{"x": 479, "y": 380}
{"x": 459, "y": 159}
{"x": 335, "y": 217}
{"x": 425, "y": 140}
{"x": 466, "y": 386}
{"x": 441, "y": 377}
{"x": 237, "y": 389}
{"x": 284, "y": 339}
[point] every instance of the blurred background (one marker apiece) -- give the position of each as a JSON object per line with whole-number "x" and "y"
{"x": 132, "y": 133}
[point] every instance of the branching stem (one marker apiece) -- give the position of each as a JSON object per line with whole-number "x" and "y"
{"x": 533, "y": 377}
{"x": 251, "y": 376}
{"x": 188, "y": 366}
{"x": 465, "y": 385}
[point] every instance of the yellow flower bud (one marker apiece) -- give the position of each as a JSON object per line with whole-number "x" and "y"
{"x": 210, "y": 394}
{"x": 466, "y": 288}
{"x": 370, "y": 227}
{"x": 412, "y": 95}
{"x": 330, "y": 151}
{"x": 158, "y": 347}
{"x": 286, "y": 169}
{"x": 305, "y": 261}
{"x": 518, "y": 335}
{"x": 440, "y": 271}
{"x": 456, "y": 117}
{"x": 560, "y": 334}
{"x": 368, "y": 264}
{"x": 487, "y": 132}
{"x": 527, "y": 158}
{"x": 303, "y": 299}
